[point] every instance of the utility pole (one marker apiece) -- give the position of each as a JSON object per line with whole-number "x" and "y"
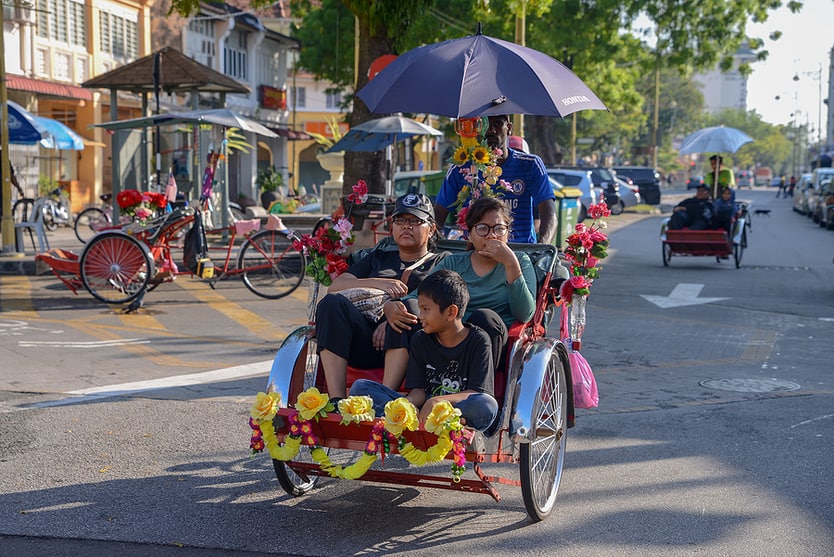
{"x": 7, "y": 222}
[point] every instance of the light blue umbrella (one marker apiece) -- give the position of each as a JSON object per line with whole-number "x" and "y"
{"x": 23, "y": 128}
{"x": 60, "y": 135}
{"x": 717, "y": 139}
{"x": 376, "y": 135}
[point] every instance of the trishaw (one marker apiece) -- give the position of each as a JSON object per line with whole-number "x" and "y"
{"x": 716, "y": 243}
{"x": 121, "y": 263}
{"x": 534, "y": 389}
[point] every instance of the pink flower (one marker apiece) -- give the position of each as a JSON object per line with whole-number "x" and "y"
{"x": 359, "y": 193}
{"x": 461, "y": 222}
{"x": 598, "y": 210}
{"x": 597, "y": 236}
{"x": 344, "y": 227}
{"x": 578, "y": 282}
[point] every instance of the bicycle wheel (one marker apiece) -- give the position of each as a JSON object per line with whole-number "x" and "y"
{"x": 541, "y": 459}
{"x": 116, "y": 268}
{"x": 88, "y": 222}
{"x": 271, "y": 267}
{"x": 22, "y": 209}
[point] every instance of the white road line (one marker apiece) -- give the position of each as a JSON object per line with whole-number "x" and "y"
{"x": 80, "y": 344}
{"x": 812, "y": 420}
{"x": 80, "y": 395}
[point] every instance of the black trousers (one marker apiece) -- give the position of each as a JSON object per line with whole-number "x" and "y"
{"x": 342, "y": 329}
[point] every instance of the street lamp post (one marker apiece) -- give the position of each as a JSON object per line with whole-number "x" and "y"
{"x": 818, "y": 76}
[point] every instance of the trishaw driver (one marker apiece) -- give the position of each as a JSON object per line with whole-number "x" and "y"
{"x": 527, "y": 179}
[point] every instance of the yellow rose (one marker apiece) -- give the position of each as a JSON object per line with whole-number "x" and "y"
{"x": 357, "y": 409}
{"x": 400, "y": 414}
{"x": 265, "y": 406}
{"x": 310, "y": 403}
{"x": 442, "y": 413}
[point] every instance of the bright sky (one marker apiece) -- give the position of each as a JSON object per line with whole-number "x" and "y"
{"x": 806, "y": 42}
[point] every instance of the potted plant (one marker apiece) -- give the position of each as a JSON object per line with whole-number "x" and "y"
{"x": 268, "y": 181}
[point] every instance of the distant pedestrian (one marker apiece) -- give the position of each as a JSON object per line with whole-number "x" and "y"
{"x": 783, "y": 190}
{"x": 791, "y": 185}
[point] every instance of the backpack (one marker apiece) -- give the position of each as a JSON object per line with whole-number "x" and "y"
{"x": 194, "y": 245}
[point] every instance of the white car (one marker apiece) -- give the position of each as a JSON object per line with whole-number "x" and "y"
{"x": 580, "y": 179}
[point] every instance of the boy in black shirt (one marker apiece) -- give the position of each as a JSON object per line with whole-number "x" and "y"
{"x": 448, "y": 359}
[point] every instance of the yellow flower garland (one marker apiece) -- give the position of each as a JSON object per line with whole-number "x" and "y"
{"x": 400, "y": 414}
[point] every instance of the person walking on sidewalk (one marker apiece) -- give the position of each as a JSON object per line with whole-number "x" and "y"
{"x": 783, "y": 190}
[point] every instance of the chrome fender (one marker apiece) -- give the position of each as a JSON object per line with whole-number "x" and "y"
{"x": 664, "y": 225}
{"x": 284, "y": 364}
{"x": 534, "y": 363}
{"x": 739, "y": 228}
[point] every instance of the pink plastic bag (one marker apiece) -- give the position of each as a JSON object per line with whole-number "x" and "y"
{"x": 585, "y": 393}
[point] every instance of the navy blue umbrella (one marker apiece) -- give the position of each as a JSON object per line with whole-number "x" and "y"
{"x": 23, "y": 128}
{"x": 477, "y": 76}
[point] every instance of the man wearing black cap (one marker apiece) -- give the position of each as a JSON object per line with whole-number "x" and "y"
{"x": 695, "y": 213}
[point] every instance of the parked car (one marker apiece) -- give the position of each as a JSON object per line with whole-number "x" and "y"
{"x": 629, "y": 193}
{"x": 744, "y": 179}
{"x": 427, "y": 182}
{"x": 646, "y": 178}
{"x": 694, "y": 182}
{"x": 607, "y": 188}
{"x": 801, "y": 193}
{"x": 821, "y": 179}
{"x": 825, "y": 203}
{"x": 580, "y": 179}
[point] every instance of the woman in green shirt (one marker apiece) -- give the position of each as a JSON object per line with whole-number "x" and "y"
{"x": 501, "y": 282}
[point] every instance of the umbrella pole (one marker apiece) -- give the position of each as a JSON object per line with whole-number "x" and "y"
{"x": 715, "y": 180}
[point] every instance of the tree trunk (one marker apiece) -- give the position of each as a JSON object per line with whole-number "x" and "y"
{"x": 370, "y": 167}
{"x": 541, "y": 132}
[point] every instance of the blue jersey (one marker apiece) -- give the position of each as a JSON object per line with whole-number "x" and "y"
{"x": 528, "y": 184}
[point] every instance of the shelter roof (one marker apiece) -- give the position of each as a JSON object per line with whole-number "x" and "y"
{"x": 177, "y": 73}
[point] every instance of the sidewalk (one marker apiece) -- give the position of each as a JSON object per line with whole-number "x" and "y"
{"x": 64, "y": 238}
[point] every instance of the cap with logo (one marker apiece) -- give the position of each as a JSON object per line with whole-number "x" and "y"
{"x": 415, "y": 204}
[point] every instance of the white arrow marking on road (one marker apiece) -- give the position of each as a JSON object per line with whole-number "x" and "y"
{"x": 682, "y": 295}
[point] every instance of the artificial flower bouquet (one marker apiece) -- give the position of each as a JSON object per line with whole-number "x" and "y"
{"x": 141, "y": 206}
{"x": 386, "y": 432}
{"x": 482, "y": 176}
{"x": 585, "y": 248}
{"x": 327, "y": 248}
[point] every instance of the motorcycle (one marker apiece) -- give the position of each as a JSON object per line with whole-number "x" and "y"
{"x": 57, "y": 211}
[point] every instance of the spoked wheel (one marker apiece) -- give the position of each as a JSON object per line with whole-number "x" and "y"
{"x": 22, "y": 209}
{"x": 49, "y": 222}
{"x": 272, "y": 267}
{"x": 88, "y": 222}
{"x": 116, "y": 268}
{"x": 293, "y": 483}
{"x": 541, "y": 460}
{"x": 667, "y": 253}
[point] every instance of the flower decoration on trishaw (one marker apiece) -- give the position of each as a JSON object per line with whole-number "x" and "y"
{"x": 586, "y": 246}
{"x": 478, "y": 164}
{"x": 327, "y": 248}
{"x": 141, "y": 206}
{"x": 386, "y": 432}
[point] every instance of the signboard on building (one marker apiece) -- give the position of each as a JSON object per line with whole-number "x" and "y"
{"x": 272, "y": 97}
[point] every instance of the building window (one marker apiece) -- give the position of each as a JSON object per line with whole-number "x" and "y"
{"x": 118, "y": 36}
{"x": 234, "y": 56}
{"x": 41, "y": 67}
{"x": 63, "y": 21}
{"x": 299, "y": 97}
{"x": 333, "y": 100}
{"x": 61, "y": 69}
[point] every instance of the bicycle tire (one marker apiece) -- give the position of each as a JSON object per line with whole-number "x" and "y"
{"x": 22, "y": 208}
{"x": 89, "y": 222}
{"x": 49, "y": 222}
{"x": 270, "y": 266}
{"x": 116, "y": 268}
